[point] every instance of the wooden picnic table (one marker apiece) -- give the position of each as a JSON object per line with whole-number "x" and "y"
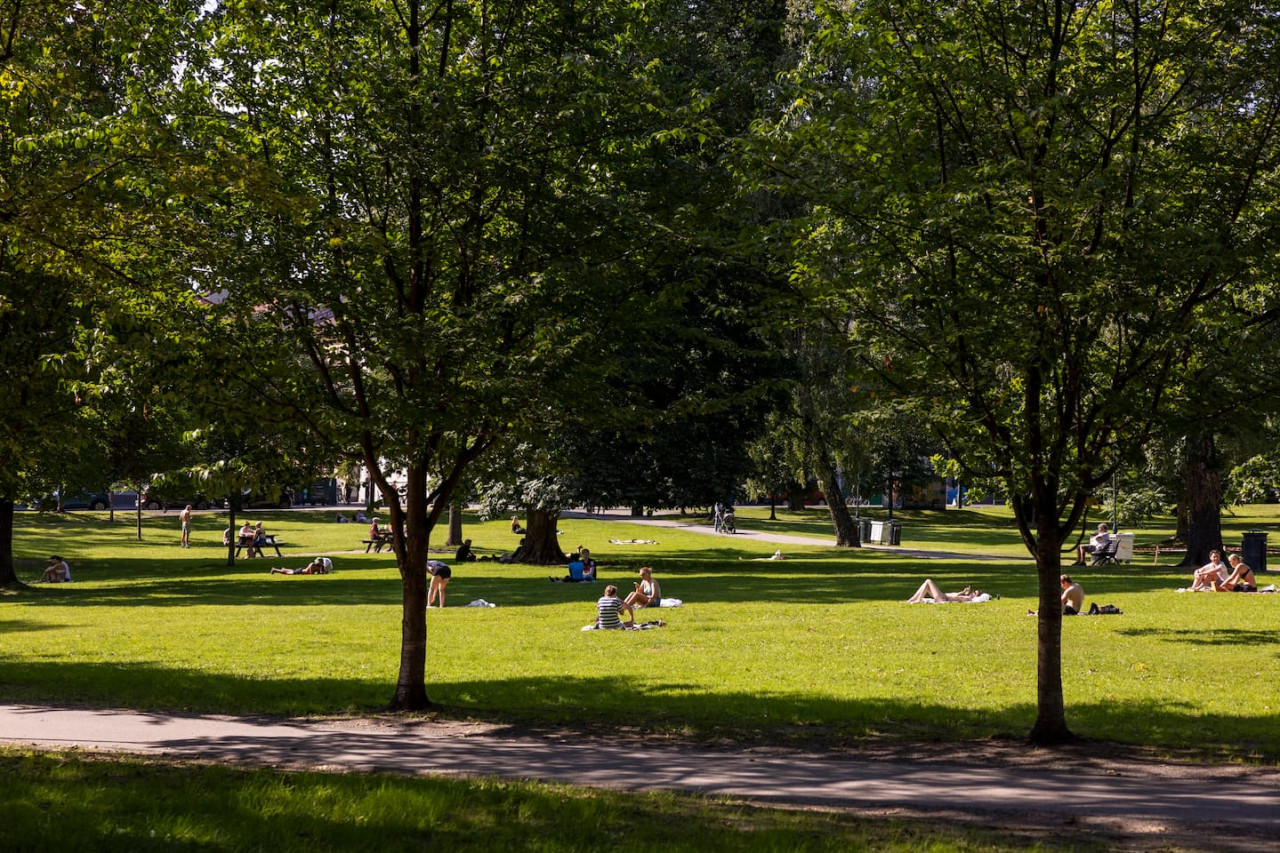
{"x": 272, "y": 542}
{"x": 376, "y": 543}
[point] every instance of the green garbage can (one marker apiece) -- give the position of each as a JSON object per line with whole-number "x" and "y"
{"x": 1253, "y": 549}
{"x": 893, "y": 532}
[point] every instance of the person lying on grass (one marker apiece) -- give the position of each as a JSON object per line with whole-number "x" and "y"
{"x": 609, "y": 608}
{"x": 318, "y": 566}
{"x": 930, "y": 590}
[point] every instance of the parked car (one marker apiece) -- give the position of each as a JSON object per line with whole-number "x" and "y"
{"x": 155, "y": 499}
{"x": 75, "y": 500}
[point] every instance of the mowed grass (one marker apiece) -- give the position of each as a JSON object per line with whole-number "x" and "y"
{"x": 817, "y": 648}
{"x": 51, "y": 801}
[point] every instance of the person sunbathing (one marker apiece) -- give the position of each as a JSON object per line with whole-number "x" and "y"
{"x": 648, "y": 593}
{"x": 1211, "y": 574}
{"x": 932, "y": 591}
{"x": 318, "y": 566}
{"x": 609, "y": 609}
{"x": 1241, "y": 580}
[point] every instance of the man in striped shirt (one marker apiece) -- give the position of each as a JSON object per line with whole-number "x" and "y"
{"x": 609, "y": 607}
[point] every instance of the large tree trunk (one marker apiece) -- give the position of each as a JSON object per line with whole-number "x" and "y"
{"x": 455, "y": 525}
{"x": 540, "y": 545}
{"x": 1202, "y": 497}
{"x": 8, "y": 576}
{"x": 1051, "y": 715}
{"x": 846, "y": 528}
{"x": 411, "y": 684}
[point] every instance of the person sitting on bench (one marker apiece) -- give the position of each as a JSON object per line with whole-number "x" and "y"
{"x": 1097, "y": 544}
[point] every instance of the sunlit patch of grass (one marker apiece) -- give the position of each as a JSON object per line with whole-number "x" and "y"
{"x": 820, "y": 642}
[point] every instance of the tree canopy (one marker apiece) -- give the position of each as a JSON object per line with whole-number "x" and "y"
{"x": 1036, "y": 215}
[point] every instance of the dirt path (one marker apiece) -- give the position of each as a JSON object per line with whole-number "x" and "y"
{"x": 1136, "y": 806}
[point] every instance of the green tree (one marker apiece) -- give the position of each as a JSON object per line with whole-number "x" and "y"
{"x": 1036, "y": 214}
{"x": 442, "y": 228}
{"x": 81, "y": 182}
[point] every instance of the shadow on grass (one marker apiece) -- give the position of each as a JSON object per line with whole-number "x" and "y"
{"x": 605, "y": 705}
{"x": 168, "y": 806}
{"x": 822, "y": 578}
{"x": 1207, "y": 636}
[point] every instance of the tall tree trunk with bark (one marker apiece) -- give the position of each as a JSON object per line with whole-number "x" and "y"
{"x": 411, "y": 685}
{"x": 1202, "y": 497}
{"x": 1051, "y": 715}
{"x": 455, "y": 525}
{"x": 541, "y": 545}
{"x": 846, "y": 528}
{"x": 8, "y": 575}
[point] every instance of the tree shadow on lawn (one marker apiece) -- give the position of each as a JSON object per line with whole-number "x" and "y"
{"x": 825, "y": 578}
{"x": 608, "y": 706}
{"x": 1207, "y": 636}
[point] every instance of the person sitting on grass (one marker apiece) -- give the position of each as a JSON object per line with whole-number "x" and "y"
{"x": 515, "y": 525}
{"x": 1241, "y": 580}
{"x": 931, "y": 591}
{"x": 588, "y": 565}
{"x": 318, "y": 566}
{"x": 577, "y": 572}
{"x": 464, "y": 554}
{"x": 609, "y": 608}
{"x": 1072, "y": 597}
{"x": 647, "y": 593}
{"x": 1211, "y": 574}
{"x": 57, "y": 571}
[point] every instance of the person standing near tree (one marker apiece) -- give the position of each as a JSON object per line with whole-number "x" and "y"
{"x": 185, "y": 518}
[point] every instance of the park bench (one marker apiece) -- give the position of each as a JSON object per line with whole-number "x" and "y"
{"x": 376, "y": 544}
{"x": 272, "y": 542}
{"x": 1118, "y": 550}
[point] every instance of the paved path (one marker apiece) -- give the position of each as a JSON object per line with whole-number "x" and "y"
{"x": 1246, "y": 807}
{"x": 693, "y": 526}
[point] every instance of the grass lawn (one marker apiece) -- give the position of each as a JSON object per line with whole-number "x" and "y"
{"x": 65, "y": 801}
{"x": 817, "y": 648}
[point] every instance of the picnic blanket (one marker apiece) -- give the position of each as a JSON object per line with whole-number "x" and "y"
{"x": 633, "y": 542}
{"x": 642, "y": 626}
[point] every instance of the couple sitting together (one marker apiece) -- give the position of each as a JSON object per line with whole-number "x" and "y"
{"x": 609, "y": 608}
{"x": 1217, "y": 576}
{"x": 582, "y": 569}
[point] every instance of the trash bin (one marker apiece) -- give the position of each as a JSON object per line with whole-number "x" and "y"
{"x": 893, "y": 532}
{"x": 1253, "y": 549}
{"x": 877, "y": 533}
{"x": 864, "y": 530}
